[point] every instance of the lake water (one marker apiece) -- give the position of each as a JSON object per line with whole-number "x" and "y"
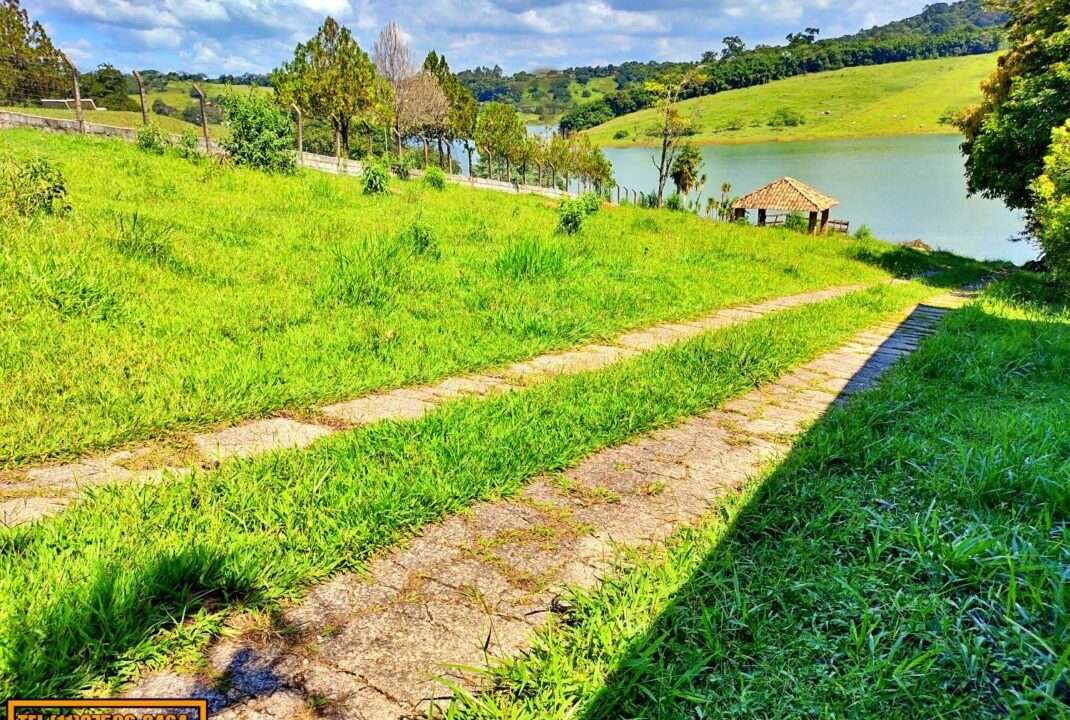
{"x": 901, "y": 187}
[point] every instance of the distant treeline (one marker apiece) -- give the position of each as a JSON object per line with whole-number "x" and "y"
{"x": 745, "y": 68}
{"x": 157, "y": 80}
{"x": 940, "y": 30}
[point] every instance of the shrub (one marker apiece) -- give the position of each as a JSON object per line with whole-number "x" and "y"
{"x": 435, "y": 178}
{"x": 620, "y": 134}
{"x": 675, "y": 202}
{"x": 261, "y": 133}
{"x": 151, "y": 138}
{"x": 529, "y": 258}
{"x": 786, "y": 117}
{"x": 570, "y": 215}
{"x": 419, "y": 238}
{"x": 375, "y": 178}
{"x": 590, "y": 203}
{"x": 1052, "y": 213}
{"x": 31, "y": 187}
{"x": 863, "y": 233}
{"x": 403, "y": 166}
{"x": 187, "y": 145}
{"x": 797, "y": 222}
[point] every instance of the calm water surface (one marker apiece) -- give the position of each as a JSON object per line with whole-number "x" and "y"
{"x": 901, "y": 187}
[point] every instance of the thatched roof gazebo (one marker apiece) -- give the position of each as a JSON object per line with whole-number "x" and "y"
{"x": 788, "y": 195}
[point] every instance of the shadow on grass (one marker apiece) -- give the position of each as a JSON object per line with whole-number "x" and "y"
{"x": 107, "y": 618}
{"x": 937, "y": 269}
{"x": 904, "y": 560}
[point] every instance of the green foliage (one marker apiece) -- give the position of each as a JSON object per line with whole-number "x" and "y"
{"x": 786, "y": 117}
{"x": 151, "y": 138}
{"x": 675, "y": 202}
{"x": 1052, "y": 212}
{"x": 863, "y": 233}
{"x": 590, "y": 202}
{"x": 330, "y": 76}
{"x": 435, "y": 178}
{"x": 107, "y": 87}
{"x": 261, "y": 133}
{"x": 31, "y": 187}
{"x": 187, "y": 145}
{"x": 797, "y": 222}
{"x": 572, "y": 212}
{"x": 33, "y": 67}
{"x": 375, "y": 178}
{"x": 620, "y": 134}
{"x": 74, "y": 291}
{"x": 420, "y": 239}
{"x": 1028, "y": 95}
{"x": 686, "y": 169}
{"x": 370, "y": 276}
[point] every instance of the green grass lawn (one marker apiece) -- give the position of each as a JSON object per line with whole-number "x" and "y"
{"x": 179, "y": 295}
{"x": 88, "y": 597}
{"x": 907, "y": 98}
{"x": 909, "y": 559}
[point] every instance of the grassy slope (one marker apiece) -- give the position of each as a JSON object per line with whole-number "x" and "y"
{"x": 121, "y": 118}
{"x": 907, "y": 560}
{"x": 79, "y": 601}
{"x": 179, "y": 295}
{"x": 895, "y": 99}
{"x": 597, "y": 87}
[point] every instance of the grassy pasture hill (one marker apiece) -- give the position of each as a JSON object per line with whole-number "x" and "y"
{"x": 179, "y": 295}
{"x": 907, "y": 98}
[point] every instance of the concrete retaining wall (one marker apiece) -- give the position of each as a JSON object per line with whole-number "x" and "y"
{"x": 312, "y": 161}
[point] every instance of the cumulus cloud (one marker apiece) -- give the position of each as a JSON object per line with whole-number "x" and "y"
{"x": 215, "y": 36}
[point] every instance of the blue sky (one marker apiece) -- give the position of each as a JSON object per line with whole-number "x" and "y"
{"x": 235, "y": 36}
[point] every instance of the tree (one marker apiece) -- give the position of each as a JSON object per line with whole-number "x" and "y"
{"x": 108, "y": 88}
{"x": 330, "y": 78}
{"x": 671, "y": 125}
{"x": 31, "y": 68}
{"x": 420, "y": 108}
{"x": 1009, "y": 134}
{"x": 1052, "y": 212}
{"x": 733, "y": 47}
{"x": 395, "y": 63}
{"x": 261, "y": 133}
{"x": 463, "y": 107}
{"x": 559, "y": 158}
{"x": 498, "y": 129}
{"x": 686, "y": 168}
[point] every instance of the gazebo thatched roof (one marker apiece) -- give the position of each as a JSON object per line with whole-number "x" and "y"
{"x": 786, "y": 194}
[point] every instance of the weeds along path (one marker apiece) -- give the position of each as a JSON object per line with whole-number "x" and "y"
{"x": 473, "y": 588}
{"x": 32, "y": 493}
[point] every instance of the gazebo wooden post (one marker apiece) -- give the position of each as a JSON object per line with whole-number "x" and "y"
{"x": 813, "y": 224}
{"x": 761, "y": 217}
{"x": 825, "y": 222}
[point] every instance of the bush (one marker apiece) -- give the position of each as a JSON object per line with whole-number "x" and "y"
{"x": 261, "y": 133}
{"x": 1051, "y": 216}
{"x": 620, "y": 134}
{"x": 571, "y": 212}
{"x": 419, "y": 239}
{"x": 188, "y": 145}
{"x": 786, "y": 117}
{"x": 590, "y": 202}
{"x": 797, "y": 222}
{"x": 528, "y": 258}
{"x": 404, "y": 165}
{"x": 435, "y": 178}
{"x": 675, "y": 202}
{"x": 151, "y": 138}
{"x": 863, "y": 233}
{"x": 32, "y": 187}
{"x": 375, "y": 178}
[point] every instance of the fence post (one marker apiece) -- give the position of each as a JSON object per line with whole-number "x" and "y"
{"x": 77, "y": 92}
{"x": 141, "y": 92}
{"x": 300, "y": 137}
{"x": 618, "y": 194}
{"x": 204, "y": 121}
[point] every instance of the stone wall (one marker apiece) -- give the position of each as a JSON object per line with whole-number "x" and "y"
{"x": 10, "y": 119}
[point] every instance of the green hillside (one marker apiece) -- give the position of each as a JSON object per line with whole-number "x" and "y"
{"x": 906, "y": 98}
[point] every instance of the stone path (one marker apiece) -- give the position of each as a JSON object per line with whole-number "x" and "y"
{"x": 475, "y": 586}
{"x": 31, "y": 493}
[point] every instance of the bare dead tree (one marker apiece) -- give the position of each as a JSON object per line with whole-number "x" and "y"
{"x": 395, "y": 63}
{"x": 422, "y": 109}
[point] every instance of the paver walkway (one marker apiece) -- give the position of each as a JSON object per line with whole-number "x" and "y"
{"x": 34, "y": 492}
{"x": 475, "y": 586}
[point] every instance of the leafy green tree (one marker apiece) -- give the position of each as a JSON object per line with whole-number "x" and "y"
{"x": 1009, "y": 134}
{"x": 31, "y": 68}
{"x": 671, "y": 124}
{"x": 498, "y": 130}
{"x": 1052, "y": 212}
{"x": 332, "y": 79}
{"x": 108, "y": 88}
{"x": 686, "y": 169}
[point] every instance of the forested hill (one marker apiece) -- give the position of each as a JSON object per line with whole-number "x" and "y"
{"x": 583, "y": 97}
